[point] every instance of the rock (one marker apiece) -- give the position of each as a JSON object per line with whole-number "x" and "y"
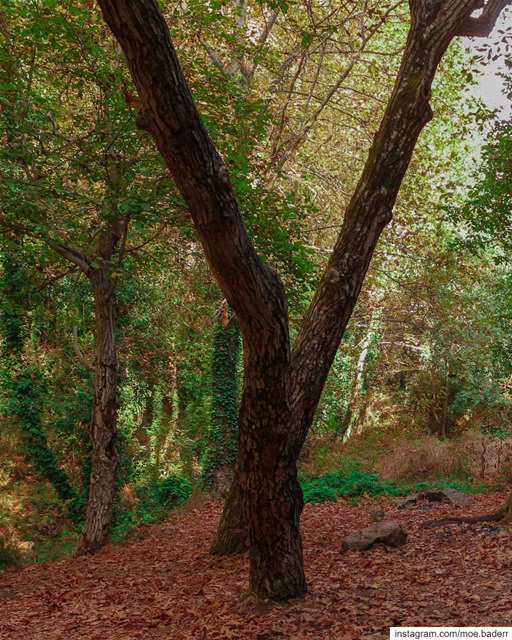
{"x": 386, "y": 532}
{"x": 457, "y": 498}
{"x": 445, "y": 496}
{"x": 409, "y": 502}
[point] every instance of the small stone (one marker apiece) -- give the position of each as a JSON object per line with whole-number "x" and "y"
{"x": 377, "y": 515}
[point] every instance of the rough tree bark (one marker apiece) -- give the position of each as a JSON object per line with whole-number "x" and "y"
{"x": 102, "y": 482}
{"x": 281, "y": 387}
{"x": 99, "y": 272}
{"x": 104, "y": 419}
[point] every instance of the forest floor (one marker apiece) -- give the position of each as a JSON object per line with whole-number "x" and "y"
{"x": 167, "y": 586}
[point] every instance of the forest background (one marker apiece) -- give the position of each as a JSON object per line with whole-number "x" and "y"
{"x": 420, "y": 390}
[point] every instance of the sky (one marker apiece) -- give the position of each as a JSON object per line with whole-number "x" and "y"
{"x": 490, "y": 87}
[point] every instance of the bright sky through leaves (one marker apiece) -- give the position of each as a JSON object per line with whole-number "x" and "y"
{"x": 490, "y": 87}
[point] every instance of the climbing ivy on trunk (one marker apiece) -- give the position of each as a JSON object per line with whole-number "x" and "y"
{"x": 222, "y": 437}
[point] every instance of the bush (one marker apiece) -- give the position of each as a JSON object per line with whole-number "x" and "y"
{"x": 318, "y": 491}
{"x": 9, "y": 556}
{"x": 357, "y": 483}
{"x": 354, "y": 484}
{"x": 425, "y": 459}
{"x": 153, "y": 500}
{"x": 165, "y": 493}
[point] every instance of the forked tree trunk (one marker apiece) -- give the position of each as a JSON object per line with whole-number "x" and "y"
{"x": 282, "y": 390}
{"x": 104, "y": 420}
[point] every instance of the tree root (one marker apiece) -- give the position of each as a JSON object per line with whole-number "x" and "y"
{"x": 498, "y": 516}
{"x": 503, "y": 516}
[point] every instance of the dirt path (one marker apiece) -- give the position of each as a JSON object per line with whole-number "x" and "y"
{"x": 166, "y": 586}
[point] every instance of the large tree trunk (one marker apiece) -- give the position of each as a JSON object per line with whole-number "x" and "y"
{"x": 272, "y": 505}
{"x": 262, "y": 510}
{"x": 104, "y": 420}
{"x": 368, "y": 213}
{"x": 282, "y": 390}
{"x": 271, "y": 497}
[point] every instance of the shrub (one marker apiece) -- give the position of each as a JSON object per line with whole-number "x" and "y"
{"x": 153, "y": 500}
{"x": 9, "y": 556}
{"x": 424, "y": 459}
{"x": 318, "y": 491}
{"x": 171, "y": 491}
{"x": 353, "y": 484}
{"x": 358, "y": 483}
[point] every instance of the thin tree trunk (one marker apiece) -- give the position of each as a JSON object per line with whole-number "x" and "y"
{"x": 349, "y": 418}
{"x": 104, "y": 421}
{"x": 26, "y": 391}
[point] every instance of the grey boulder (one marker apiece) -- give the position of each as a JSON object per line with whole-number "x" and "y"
{"x": 445, "y": 496}
{"x": 385, "y": 532}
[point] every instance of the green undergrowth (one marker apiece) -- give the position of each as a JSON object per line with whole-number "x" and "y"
{"x": 9, "y": 556}
{"x": 356, "y": 483}
{"x": 43, "y": 530}
{"x": 154, "y": 499}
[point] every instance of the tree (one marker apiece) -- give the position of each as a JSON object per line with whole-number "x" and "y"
{"x": 69, "y": 181}
{"x": 282, "y": 386}
{"x": 484, "y": 224}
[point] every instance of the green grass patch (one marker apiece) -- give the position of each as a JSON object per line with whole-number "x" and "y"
{"x": 356, "y": 483}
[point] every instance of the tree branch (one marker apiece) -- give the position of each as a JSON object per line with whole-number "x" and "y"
{"x": 371, "y": 206}
{"x": 49, "y": 281}
{"x": 482, "y": 26}
{"x": 71, "y": 254}
{"x": 170, "y": 115}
